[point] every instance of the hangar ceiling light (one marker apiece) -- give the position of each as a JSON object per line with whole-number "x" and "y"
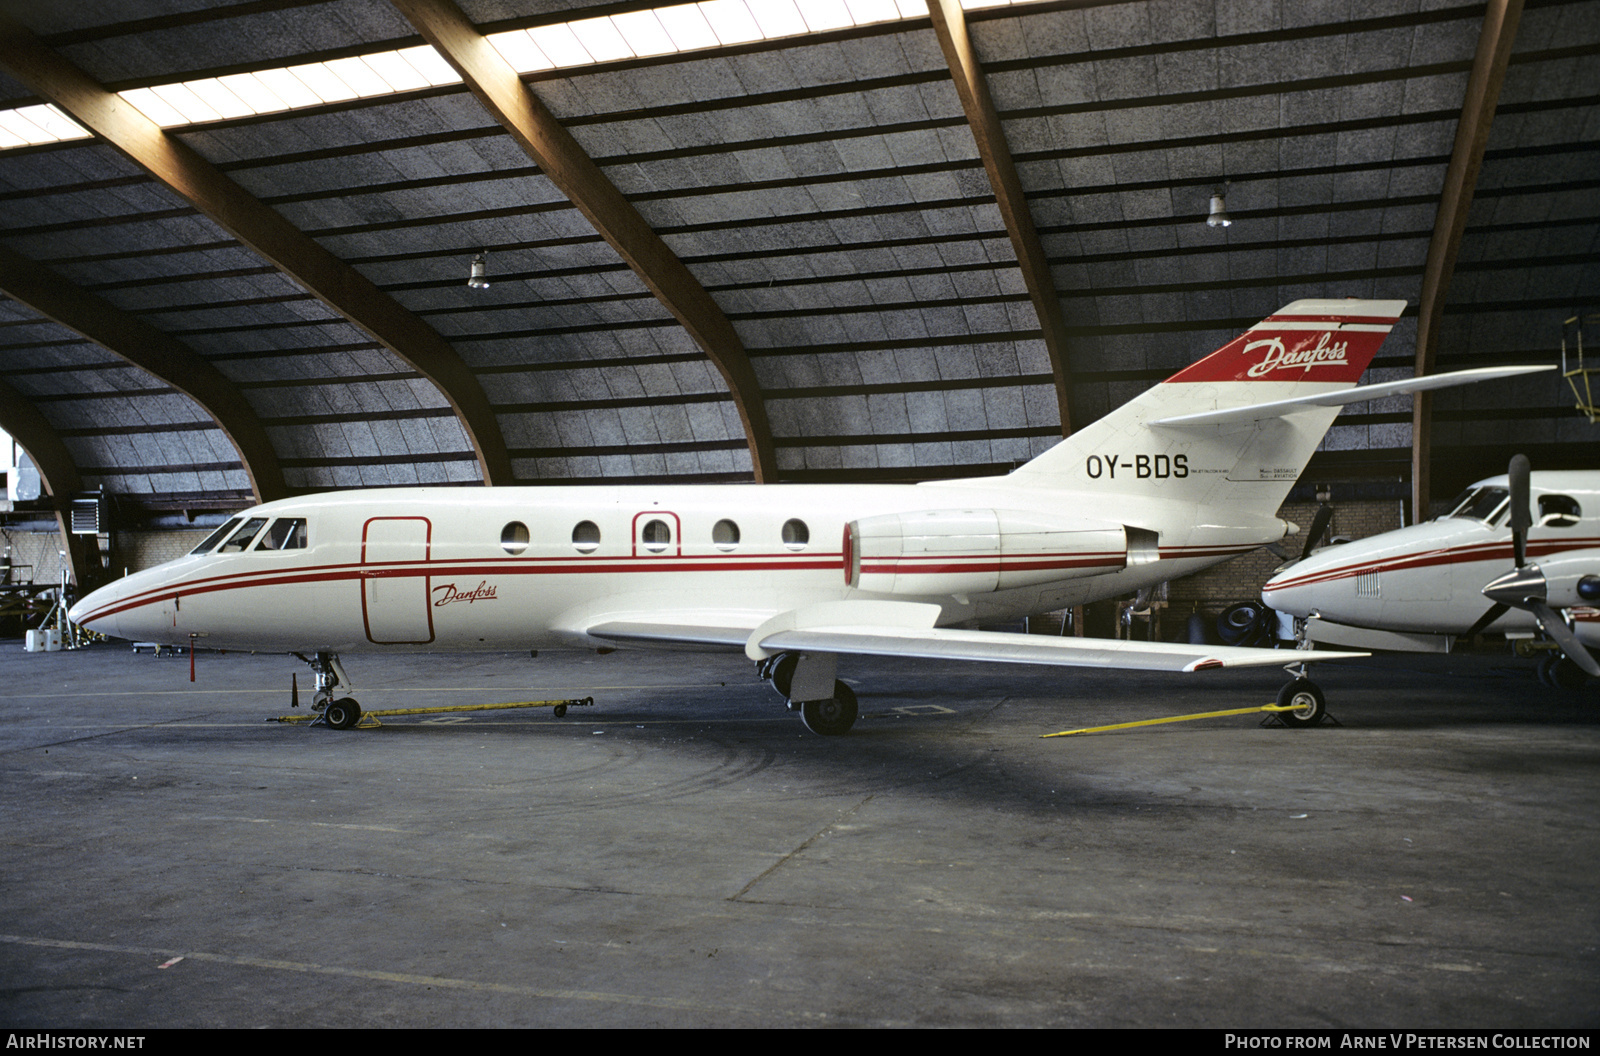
{"x": 635, "y": 34}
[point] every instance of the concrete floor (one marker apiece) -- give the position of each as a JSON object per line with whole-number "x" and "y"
{"x": 685, "y": 854}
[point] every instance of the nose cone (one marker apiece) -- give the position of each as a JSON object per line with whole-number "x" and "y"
{"x": 1288, "y": 591}
{"x": 1516, "y": 586}
{"x": 97, "y": 612}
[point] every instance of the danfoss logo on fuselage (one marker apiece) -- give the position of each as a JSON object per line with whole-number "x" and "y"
{"x": 447, "y": 594}
{"x": 1323, "y": 354}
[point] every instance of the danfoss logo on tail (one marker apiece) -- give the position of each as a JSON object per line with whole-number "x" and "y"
{"x": 1323, "y": 354}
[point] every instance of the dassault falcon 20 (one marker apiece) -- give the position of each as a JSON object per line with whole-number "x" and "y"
{"x": 1187, "y": 474}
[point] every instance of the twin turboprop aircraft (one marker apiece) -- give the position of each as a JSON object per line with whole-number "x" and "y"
{"x": 1186, "y": 475}
{"x": 1529, "y": 543}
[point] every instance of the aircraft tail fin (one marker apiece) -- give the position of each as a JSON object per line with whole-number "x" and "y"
{"x": 1305, "y": 349}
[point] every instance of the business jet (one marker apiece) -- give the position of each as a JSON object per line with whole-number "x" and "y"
{"x": 1419, "y": 587}
{"x": 1188, "y": 474}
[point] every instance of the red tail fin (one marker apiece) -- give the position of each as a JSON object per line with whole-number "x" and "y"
{"x": 1306, "y": 341}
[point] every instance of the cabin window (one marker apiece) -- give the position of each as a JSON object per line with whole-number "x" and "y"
{"x": 217, "y": 536}
{"x": 514, "y": 538}
{"x": 795, "y": 534}
{"x": 657, "y": 536}
{"x": 286, "y": 533}
{"x": 586, "y": 537}
{"x": 725, "y": 534}
{"x": 240, "y": 540}
{"x": 1559, "y": 511}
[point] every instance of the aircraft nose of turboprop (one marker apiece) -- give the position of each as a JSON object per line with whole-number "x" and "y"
{"x": 1288, "y": 592}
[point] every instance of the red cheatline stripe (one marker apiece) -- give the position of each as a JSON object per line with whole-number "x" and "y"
{"x": 1496, "y": 551}
{"x": 438, "y": 569}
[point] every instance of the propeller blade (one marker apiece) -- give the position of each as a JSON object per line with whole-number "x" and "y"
{"x": 1557, "y": 628}
{"x": 1319, "y": 524}
{"x": 1521, "y": 519}
{"x": 1496, "y": 611}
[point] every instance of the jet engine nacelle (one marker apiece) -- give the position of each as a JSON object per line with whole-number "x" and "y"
{"x": 977, "y": 551}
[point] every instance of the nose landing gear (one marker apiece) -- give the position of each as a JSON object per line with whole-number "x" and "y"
{"x": 341, "y": 714}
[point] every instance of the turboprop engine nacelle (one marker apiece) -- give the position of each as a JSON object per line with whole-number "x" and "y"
{"x": 977, "y": 551}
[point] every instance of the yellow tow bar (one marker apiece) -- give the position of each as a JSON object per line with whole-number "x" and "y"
{"x": 558, "y": 708}
{"x": 1175, "y": 718}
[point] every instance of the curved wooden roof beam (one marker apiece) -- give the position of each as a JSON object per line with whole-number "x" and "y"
{"x": 950, "y": 25}
{"x": 263, "y": 229}
{"x": 155, "y": 351}
{"x": 1450, "y": 223}
{"x": 501, "y": 92}
{"x": 58, "y": 473}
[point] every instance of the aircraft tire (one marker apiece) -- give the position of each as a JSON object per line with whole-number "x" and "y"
{"x": 782, "y": 673}
{"x": 830, "y": 718}
{"x": 343, "y": 714}
{"x": 1566, "y": 674}
{"x": 1306, "y": 698}
{"x": 1545, "y": 670}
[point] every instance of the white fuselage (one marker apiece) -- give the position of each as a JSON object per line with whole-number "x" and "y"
{"x": 510, "y": 568}
{"x": 1429, "y": 578}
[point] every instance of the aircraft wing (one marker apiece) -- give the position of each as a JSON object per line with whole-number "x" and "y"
{"x": 880, "y": 628}
{"x": 695, "y": 633}
{"x": 1258, "y": 412}
{"x": 944, "y": 643}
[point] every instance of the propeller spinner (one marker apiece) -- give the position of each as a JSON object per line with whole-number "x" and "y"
{"x": 1525, "y": 587}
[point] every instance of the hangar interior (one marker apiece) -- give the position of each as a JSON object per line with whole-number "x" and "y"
{"x": 801, "y": 242}
{"x": 756, "y": 241}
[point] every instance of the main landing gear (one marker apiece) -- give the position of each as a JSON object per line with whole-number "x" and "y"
{"x": 830, "y": 717}
{"x": 341, "y": 714}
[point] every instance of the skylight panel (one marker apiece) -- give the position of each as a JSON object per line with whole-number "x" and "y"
{"x": 157, "y": 109}
{"x": 430, "y": 64}
{"x": 644, "y": 33}
{"x": 519, "y": 50}
{"x": 324, "y": 83}
{"x": 561, "y": 45}
{"x": 657, "y": 31}
{"x": 731, "y": 21}
{"x": 823, "y": 15}
{"x": 33, "y": 125}
{"x": 780, "y": 18}
{"x": 253, "y": 92}
{"x": 361, "y": 78}
{"x": 394, "y": 71}
{"x": 182, "y": 99}
{"x": 687, "y": 27}
{"x": 600, "y": 39}
{"x": 220, "y": 97}
{"x": 291, "y": 89}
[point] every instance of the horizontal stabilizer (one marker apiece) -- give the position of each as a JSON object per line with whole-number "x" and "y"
{"x": 938, "y": 643}
{"x": 1259, "y": 412}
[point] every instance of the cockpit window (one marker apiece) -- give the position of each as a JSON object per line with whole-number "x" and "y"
{"x": 1483, "y": 504}
{"x": 217, "y": 536}
{"x": 286, "y": 533}
{"x": 240, "y": 540}
{"x": 1559, "y": 511}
